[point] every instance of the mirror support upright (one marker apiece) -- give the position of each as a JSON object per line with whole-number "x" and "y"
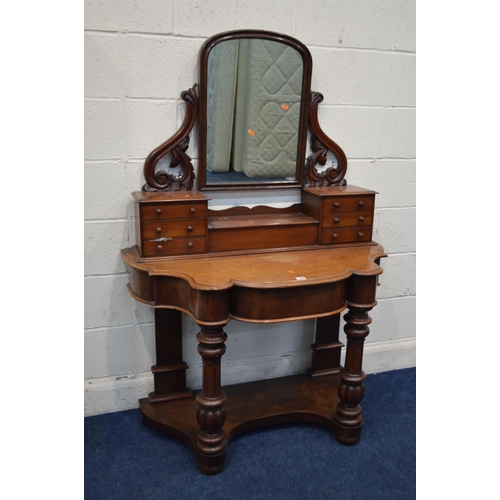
{"x": 320, "y": 145}
{"x": 177, "y": 146}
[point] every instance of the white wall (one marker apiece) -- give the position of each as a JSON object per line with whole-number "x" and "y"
{"x": 139, "y": 56}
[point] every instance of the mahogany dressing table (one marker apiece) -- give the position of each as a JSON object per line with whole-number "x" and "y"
{"x": 313, "y": 259}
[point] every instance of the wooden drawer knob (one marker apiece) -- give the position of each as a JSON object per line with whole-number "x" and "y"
{"x": 361, "y": 219}
{"x": 336, "y": 204}
{"x": 360, "y": 235}
{"x": 158, "y": 230}
{"x": 192, "y": 210}
{"x": 361, "y": 203}
{"x": 158, "y": 211}
{"x": 190, "y": 245}
{"x": 335, "y": 236}
{"x": 159, "y": 248}
{"x": 336, "y": 220}
{"x": 190, "y": 229}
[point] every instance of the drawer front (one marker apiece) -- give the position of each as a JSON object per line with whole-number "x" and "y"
{"x": 161, "y": 211}
{"x": 353, "y": 235}
{"x": 173, "y": 229}
{"x": 184, "y": 246}
{"x": 349, "y": 204}
{"x": 341, "y": 219}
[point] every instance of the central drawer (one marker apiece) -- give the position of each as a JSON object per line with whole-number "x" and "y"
{"x": 352, "y": 235}
{"x": 182, "y": 246}
{"x": 341, "y": 219}
{"x": 162, "y": 211}
{"x": 174, "y": 229}
{"x": 349, "y": 204}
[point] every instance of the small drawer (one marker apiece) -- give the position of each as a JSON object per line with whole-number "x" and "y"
{"x": 183, "y": 246}
{"x": 361, "y": 219}
{"x": 173, "y": 229}
{"x": 161, "y": 211}
{"x": 348, "y": 204}
{"x": 356, "y": 235}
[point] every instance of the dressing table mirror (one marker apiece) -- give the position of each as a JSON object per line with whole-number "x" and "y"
{"x": 256, "y": 113}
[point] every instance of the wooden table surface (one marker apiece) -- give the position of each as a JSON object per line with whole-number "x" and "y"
{"x": 268, "y": 270}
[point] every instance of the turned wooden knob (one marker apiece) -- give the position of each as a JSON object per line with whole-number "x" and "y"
{"x": 158, "y": 230}
{"x": 190, "y": 245}
{"x": 360, "y": 235}
{"x": 336, "y": 204}
{"x": 335, "y": 236}
{"x": 190, "y": 229}
{"x": 158, "y": 211}
{"x": 192, "y": 210}
{"x": 361, "y": 219}
{"x": 159, "y": 248}
{"x": 336, "y": 221}
{"x": 361, "y": 203}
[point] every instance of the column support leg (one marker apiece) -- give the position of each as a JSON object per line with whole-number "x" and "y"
{"x": 326, "y": 349}
{"x": 211, "y": 443}
{"x": 351, "y": 390}
{"x": 169, "y": 372}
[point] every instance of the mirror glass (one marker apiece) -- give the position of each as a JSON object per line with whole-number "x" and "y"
{"x": 254, "y": 90}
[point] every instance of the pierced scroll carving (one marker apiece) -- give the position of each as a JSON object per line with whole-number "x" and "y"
{"x": 320, "y": 145}
{"x": 176, "y": 146}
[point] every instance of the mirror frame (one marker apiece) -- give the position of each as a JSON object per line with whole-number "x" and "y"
{"x": 203, "y": 109}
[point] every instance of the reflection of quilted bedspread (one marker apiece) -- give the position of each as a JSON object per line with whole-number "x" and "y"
{"x": 268, "y": 124}
{"x": 253, "y": 108}
{"x": 220, "y": 93}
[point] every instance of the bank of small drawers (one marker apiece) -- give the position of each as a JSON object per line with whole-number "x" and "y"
{"x": 345, "y": 212}
{"x": 173, "y": 228}
{"x": 347, "y": 219}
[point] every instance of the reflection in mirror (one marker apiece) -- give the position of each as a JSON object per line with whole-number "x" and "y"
{"x": 254, "y": 89}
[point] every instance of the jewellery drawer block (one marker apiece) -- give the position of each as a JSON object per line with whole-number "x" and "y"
{"x": 345, "y": 213}
{"x": 172, "y": 223}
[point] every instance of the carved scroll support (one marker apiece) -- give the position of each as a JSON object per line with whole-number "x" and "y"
{"x": 211, "y": 443}
{"x": 177, "y": 145}
{"x": 320, "y": 145}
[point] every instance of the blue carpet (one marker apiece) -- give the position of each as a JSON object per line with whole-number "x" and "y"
{"x": 128, "y": 461}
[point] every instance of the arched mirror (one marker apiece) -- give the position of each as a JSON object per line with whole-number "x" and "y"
{"x": 254, "y": 107}
{"x": 254, "y": 99}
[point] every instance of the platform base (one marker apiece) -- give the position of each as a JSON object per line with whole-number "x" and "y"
{"x": 253, "y": 405}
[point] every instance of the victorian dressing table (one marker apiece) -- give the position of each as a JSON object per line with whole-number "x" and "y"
{"x": 260, "y": 264}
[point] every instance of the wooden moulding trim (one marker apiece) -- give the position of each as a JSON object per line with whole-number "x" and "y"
{"x": 331, "y": 345}
{"x": 136, "y": 297}
{"x": 169, "y": 368}
{"x": 192, "y": 282}
{"x": 361, "y": 306}
{"x": 144, "y": 260}
{"x": 291, "y": 318}
{"x": 295, "y": 284}
{"x": 177, "y": 145}
{"x": 197, "y": 320}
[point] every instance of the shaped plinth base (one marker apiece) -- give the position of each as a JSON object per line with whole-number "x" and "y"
{"x": 253, "y": 405}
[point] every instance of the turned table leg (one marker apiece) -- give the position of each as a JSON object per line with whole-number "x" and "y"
{"x": 348, "y": 418}
{"x": 351, "y": 388}
{"x": 211, "y": 441}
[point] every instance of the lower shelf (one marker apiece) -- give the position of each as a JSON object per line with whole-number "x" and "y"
{"x": 252, "y": 405}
